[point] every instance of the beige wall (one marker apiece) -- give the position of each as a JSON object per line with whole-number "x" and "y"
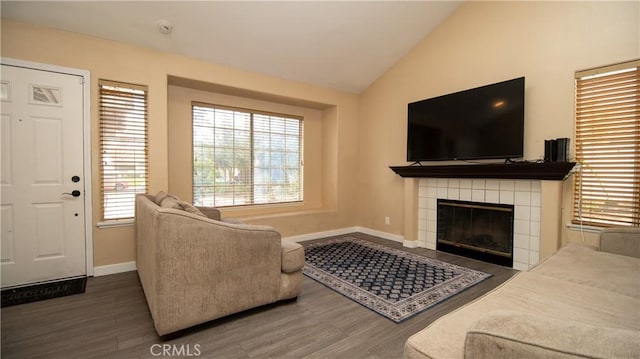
{"x": 333, "y": 202}
{"x": 483, "y": 43}
{"x": 360, "y": 136}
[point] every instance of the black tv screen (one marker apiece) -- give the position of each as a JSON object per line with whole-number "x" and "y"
{"x": 480, "y": 123}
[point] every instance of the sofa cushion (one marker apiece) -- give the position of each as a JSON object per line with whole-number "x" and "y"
{"x": 292, "y": 257}
{"x": 188, "y": 207}
{"x": 170, "y": 202}
{"x": 160, "y": 196}
{"x": 526, "y": 293}
{"x": 586, "y": 266}
{"x": 621, "y": 240}
{"x": 510, "y": 334}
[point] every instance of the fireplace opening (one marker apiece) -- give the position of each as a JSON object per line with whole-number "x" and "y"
{"x": 482, "y": 231}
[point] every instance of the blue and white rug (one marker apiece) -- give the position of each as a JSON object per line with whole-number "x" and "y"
{"x": 391, "y": 282}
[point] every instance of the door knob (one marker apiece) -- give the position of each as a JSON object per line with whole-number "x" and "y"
{"x": 74, "y": 193}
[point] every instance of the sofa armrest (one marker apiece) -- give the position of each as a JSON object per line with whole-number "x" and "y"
{"x": 621, "y": 240}
{"x": 210, "y": 212}
{"x": 233, "y": 221}
{"x": 206, "y": 269}
{"x": 292, "y": 256}
{"x": 509, "y": 334}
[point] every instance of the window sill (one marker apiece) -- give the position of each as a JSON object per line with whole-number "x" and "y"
{"x": 263, "y": 210}
{"x": 265, "y": 216}
{"x": 584, "y": 228}
{"x": 115, "y": 223}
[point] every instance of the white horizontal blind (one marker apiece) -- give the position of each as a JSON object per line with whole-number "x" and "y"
{"x": 607, "y": 190}
{"x": 123, "y": 147}
{"x": 244, "y": 157}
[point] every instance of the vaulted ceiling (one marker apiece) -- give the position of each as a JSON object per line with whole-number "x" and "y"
{"x": 335, "y": 44}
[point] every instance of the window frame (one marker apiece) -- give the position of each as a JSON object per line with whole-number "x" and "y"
{"x": 252, "y": 182}
{"x": 111, "y": 130}
{"x": 609, "y": 176}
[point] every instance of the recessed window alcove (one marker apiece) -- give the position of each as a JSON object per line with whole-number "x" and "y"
{"x": 320, "y": 169}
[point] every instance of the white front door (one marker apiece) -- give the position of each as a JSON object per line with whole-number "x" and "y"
{"x": 41, "y": 178}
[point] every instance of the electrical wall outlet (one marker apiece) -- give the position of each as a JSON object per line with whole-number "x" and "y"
{"x": 387, "y": 220}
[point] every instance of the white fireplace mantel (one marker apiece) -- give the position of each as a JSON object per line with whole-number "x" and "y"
{"x": 524, "y": 195}
{"x": 537, "y": 211}
{"x": 535, "y": 190}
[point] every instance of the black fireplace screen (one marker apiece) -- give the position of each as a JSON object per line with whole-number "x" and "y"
{"x": 479, "y": 230}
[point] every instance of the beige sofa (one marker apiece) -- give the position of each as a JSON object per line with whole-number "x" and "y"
{"x": 581, "y": 302}
{"x": 195, "y": 268}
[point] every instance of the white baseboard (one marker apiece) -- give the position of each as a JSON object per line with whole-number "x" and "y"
{"x": 323, "y": 234}
{"x": 381, "y": 234}
{"x": 114, "y": 268}
{"x": 341, "y": 231}
{"x": 412, "y": 244}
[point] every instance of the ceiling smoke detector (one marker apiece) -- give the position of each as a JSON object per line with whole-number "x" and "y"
{"x": 165, "y": 27}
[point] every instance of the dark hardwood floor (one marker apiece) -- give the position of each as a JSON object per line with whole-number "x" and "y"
{"x": 111, "y": 320}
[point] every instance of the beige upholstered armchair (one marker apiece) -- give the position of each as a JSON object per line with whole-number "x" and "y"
{"x": 195, "y": 268}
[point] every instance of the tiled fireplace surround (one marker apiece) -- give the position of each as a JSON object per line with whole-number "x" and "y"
{"x": 524, "y": 194}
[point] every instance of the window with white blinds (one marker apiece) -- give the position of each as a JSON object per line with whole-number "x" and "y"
{"x": 607, "y": 189}
{"x": 245, "y": 157}
{"x": 123, "y": 147}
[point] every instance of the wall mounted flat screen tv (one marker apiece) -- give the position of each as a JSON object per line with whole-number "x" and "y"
{"x": 480, "y": 123}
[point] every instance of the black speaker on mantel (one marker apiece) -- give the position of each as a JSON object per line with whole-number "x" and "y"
{"x": 550, "y": 154}
{"x": 556, "y": 150}
{"x": 562, "y": 149}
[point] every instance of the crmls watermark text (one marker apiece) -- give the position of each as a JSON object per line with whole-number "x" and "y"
{"x": 171, "y": 350}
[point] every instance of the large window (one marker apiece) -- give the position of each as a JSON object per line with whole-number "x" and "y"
{"x": 244, "y": 157}
{"x": 607, "y": 189}
{"x": 123, "y": 147}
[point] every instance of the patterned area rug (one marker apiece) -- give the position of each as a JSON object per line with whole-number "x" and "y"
{"x": 391, "y": 282}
